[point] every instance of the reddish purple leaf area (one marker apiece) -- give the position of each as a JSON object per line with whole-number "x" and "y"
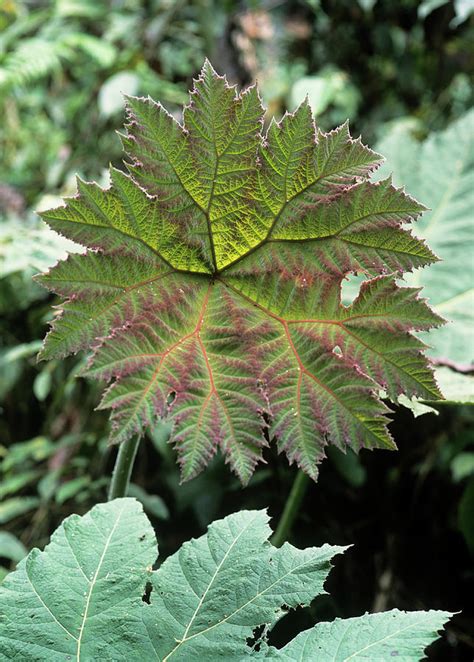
{"x": 210, "y": 293}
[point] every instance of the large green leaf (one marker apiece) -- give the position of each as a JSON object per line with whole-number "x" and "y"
{"x": 440, "y": 171}
{"x": 210, "y": 293}
{"x": 83, "y": 598}
{"x": 210, "y": 596}
{"x": 72, "y": 599}
{"x": 373, "y": 637}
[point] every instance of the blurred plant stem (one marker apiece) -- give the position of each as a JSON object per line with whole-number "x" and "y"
{"x": 123, "y": 468}
{"x": 291, "y": 509}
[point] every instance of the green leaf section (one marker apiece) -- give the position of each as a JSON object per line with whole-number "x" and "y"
{"x": 376, "y": 637}
{"x": 210, "y": 293}
{"x": 72, "y": 598}
{"x": 81, "y": 598}
{"x": 213, "y": 593}
{"x": 440, "y": 171}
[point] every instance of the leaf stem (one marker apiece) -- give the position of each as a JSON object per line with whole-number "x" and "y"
{"x": 291, "y": 508}
{"x": 123, "y": 468}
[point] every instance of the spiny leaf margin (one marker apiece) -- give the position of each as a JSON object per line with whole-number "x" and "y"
{"x": 210, "y": 293}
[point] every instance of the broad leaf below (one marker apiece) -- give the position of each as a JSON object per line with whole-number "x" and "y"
{"x": 82, "y": 598}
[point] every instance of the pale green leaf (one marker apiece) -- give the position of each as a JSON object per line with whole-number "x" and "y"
{"x": 38, "y": 448}
{"x": 42, "y": 384}
{"x": 72, "y": 488}
{"x": 213, "y": 593}
{"x": 82, "y": 598}
{"x": 152, "y": 503}
{"x": 30, "y": 247}
{"x": 14, "y": 483}
{"x": 73, "y": 598}
{"x": 440, "y": 172}
{"x": 464, "y": 9}
{"x": 462, "y": 466}
{"x": 417, "y": 408}
{"x": 456, "y": 386}
{"x": 110, "y": 98}
{"x": 398, "y": 635}
{"x": 427, "y": 6}
{"x": 11, "y": 548}
{"x": 330, "y": 87}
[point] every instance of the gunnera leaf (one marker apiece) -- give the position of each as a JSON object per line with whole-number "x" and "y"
{"x": 440, "y": 171}
{"x": 210, "y": 293}
{"x": 92, "y": 595}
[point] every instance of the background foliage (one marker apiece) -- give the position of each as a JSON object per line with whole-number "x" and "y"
{"x": 401, "y": 73}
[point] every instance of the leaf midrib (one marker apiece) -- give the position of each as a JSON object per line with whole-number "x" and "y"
{"x": 93, "y": 583}
{"x": 340, "y": 232}
{"x": 342, "y": 325}
{"x": 447, "y": 195}
{"x": 302, "y": 368}
{"x": 213, "y": 578}
{"x": 51, "y": 221}
{"x": 375, "y": 643}
{"x": 168, "y": 351}
{"x": 275, "y": 220}
{"x": 293, "y": 570}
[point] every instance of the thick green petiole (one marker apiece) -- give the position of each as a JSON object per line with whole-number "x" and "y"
{"x": 123, "y": 468}
{"x": 291, "y": 509}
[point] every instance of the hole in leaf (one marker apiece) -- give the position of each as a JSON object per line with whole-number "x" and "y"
{"x": 266, "y": 420}
{"x": 148, "y": 590}
{"x": 350, "y": 287}
{"x": 257, "y": 637}
{"x": 301, "y": 618}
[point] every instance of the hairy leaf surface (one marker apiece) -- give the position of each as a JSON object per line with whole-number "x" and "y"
{"x": 81, "y": 598}
{"x": 376, "y": 637}
{"x": 210, "y": 293}
{"x": 70, "y": 600}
